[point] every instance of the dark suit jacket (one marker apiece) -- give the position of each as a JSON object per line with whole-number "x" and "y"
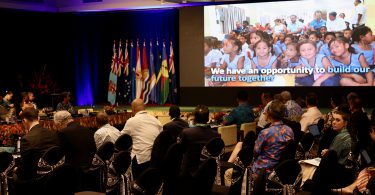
{"x": 79, "y": 145}
{"x": 33, "y": 145}
{"x": 175, "y": 126}
{"x": 193, "y": 140}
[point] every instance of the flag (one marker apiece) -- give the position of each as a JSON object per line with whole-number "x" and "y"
{"x": 172, "y": 77}
{"x": 120, "y": 59}
{"x": 163, "y": 77}
{"x": 126, "y": 77}
{"x": 145, "y": 75}
{"x": 126, "y": 61}
{"x": 152, "y": 76}
{"x": 138, "y": 73}
{"x": 133, "y": 64}
{"x": 155, "y": 93}
{"x": 112, "y": 84}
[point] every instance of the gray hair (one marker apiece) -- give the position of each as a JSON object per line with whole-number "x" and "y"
{"x": 286, "y": 96}
{"x": 62, "y": 117}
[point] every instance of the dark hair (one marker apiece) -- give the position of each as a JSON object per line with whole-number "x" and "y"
{"x": 339, "y": 34}
{"x": 329, "y": 33}
{"x": 294, "y": 44}
{"x": 317, "y": 34}
{"x": 258, "y": 32}
{"x": 245, "y": 22}
{"x": 306, "y": 41}
{"x": 242, "y": 96}
{"x": 333, "y": 14}
{"x": 291, "y": 37}
{"x": 322, "y": 27}
{"x": 235, "y": 31}
{"x": 8, "y": 92}
{"x": 30, "y": 114}
{"x": 101, "y": 118}
{"x": 174, "y": 111}
{"x": 337, "y": 99}
{"x": 312, "y": 99}
{"x": 360, "y": 31}
{"x": 201, "y": 114}
{"x": 342, "y": 40}
{"x": 276, "y": 110}
{"x": 267, "y": 95}
{"x": 209, "y": 42}
{"x": 345, "y": 116}
{"x": 264, "y": 41}
{"x": 237, "y": 43}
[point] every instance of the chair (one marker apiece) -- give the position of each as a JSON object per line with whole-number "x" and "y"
{"x": 105, "y": 151}
{"x": 304, "y": 147}
{"x": 63, "y": 180}
{"x": 52, "y": 158}
{"x": 170, "y": 169}
{"x": 118, "y": 175}
{"x": 6, "y": 163}
{"x": 229, "y": 136}
{"x": 148, "y": 183}
{"x": 286, "y": 178}
{"x": 204, "y": 178}
{"x": 124, "y": 143}
{"x": 242, "y": 169}
{"x": 289, "y": 151}
{"x": 213, "y": 149}
{"x": 161, "y": 145}
{"x": 246, "y": 127}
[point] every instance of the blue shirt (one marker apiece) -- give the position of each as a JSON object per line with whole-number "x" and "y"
{"x": 243, "y": 113}
{"x": 317, "y": 24}
{"x": 268, "y": 66}
{"x": 325, "y": 50}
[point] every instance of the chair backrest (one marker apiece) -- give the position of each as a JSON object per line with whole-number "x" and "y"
{"x": 205, "y": 176}
{"x": 307, "y": 141}
{"x": 64, "y": 180}
{"x": 228, "y": 134}
{"x": 5, "y": 160}
{"x": 246, "y": 155}
{"x": 289, "y": 151}
{"x": 287, "y": 171}
{"x": 246, "y": 127}
{"x": 121, "y": 162}
{"x": 53, "y": 155}
{"x": 105, "y": 151}
{"x": 124, "y": 143}
{"x": 148, "y": 183}
{"x": 215, "y": 146}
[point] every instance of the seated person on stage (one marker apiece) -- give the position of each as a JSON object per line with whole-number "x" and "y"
{"x": 34, "y": 144}
{"x": 243, "y": 113}
{"x": 143, "y": 128}
{"x": 271, "y": 141}
{"x": 27, "y": 100}
{"x": 76, "y": 140}
{"x": 193, "y": 140}
{"x": 106, "y": 132}
{"x": 8, "y": 105}
{"x": 65, "y": 104}
{"x": 177, "y": 124}
{"x": 312, "y": 115}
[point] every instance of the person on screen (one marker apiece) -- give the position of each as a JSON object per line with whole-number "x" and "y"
{"x": 233, "y": 58}
{"x": 234, "y": 34}
{"x": 291, "y": 59}
{"x": 315, "y": 37}
{"x": 281, "y": 41}
{"x": 362, "y": 38}
{"x": 310, "y": 59}
{"x": 278, "y": 28}
{"x": 335, "y": 24}
{"x": 348, "y": 34}
{"x": 359, "y": 16}
{"x": 263, "y": 57}
{"x": 245, "y": 47}
{"x": 212, "y": 56}
{"x": 317, "y": 22}
{"x": 325, "y": 49}
{"x": 322, "y": 31}
{"x": 255, "y": 36}
{"x": 295, "y": 27}
{"x": 345, "y": 56}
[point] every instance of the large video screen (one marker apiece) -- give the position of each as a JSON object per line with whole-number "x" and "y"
{"x": 290, "y": 43}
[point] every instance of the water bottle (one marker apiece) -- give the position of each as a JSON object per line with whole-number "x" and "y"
{"x": 18, "y": 145}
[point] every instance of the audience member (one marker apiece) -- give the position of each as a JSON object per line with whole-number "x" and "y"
{"x": 271, "y": 141}
{"x": 65, "y": 104}
{"x": 336, "y": 101}
{"x": 243, "y": 113}
{"x": 317, "y": 22}
{"x": 76, "y": 140}
{"x": 106, "y": 132}
{"x": 143, "y": 128}
{"x": 312, "y": 115}
{"x": 293, "y": 110}
{"x": 177, "y": 124}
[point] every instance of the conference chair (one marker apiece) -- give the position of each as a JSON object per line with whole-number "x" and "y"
{"x": 63, "y": 180}
{"x": 229, "y": 136}
{"x": 242, "y": 171}
{"x": 119, "y": 175}
{"x": 246, "y": 127}
{"x": 286, "y": 178}
{"x": 204, "y": 178}
{"x": 170, "y": 169}
{"x": 51, "y": 159}
{"x": 148, "y": 183}
{"x": 6, "y": 163}
{"x": 124, "y": 143}
{"x": 214, "y": 149}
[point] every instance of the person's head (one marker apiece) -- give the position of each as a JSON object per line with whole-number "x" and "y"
{"x": 293, "y": 18}
{"x": 233, "y": 34}
{"x": 285, "y": 96}
{"x": 323, "y": 30}
{"x": 291, "y": 50}
{"x": 332, "y": 16}
{"x": 255, "y": 36}
{"x": 257, "y": 24}
{"x": 339, "y": 34}
{"x": 245, "y": 23}
{"x": 101, "y": 118}
{"x": 242, "y": 96}
{"x": 357, "y": 2}
{"x": 262, "y": 48}
{"x": 232, "y": 45}
{"x": 342, "y": 15}
{"x": 340, "y": 46}
{"x": 336, "y": 100}
{"x": 66, "y": 97}
{"x": 288, "y": 39}
{"x": 348, "y": 33}
{"x": 29, "y": 116}
{"x": 137, "y": 105}
{"x": 372, "y": 130}
{"x": 328, "y": 36}
{"x": 277, "y": 21}
{"x": 265, "y": 98}
{"x": 31, "y": 96}
{"x": 241, "y": 37}
{"x": 311, "y": 100}
{"x": 62, "y": 119}
{"x": 282, "y": 37}
{"x": 238, "y": 25}
{"x": 340, "y": 120}
{"x": 174, "y": 111}
{"x": 276, "y": 111}
{"x": 201, "y": 114}
{"x": 354, "y": 101}
{"x": 8, "y": 95}
{"x": 307, "y": 49}
{"x": 314, "y": 36}
{"x": 303, "y": 37}
{"x": 208, "y": 45}
{"x": 25, "y": 97}
{"x": 362, "y": 34}
{"x": 318, "y": 14}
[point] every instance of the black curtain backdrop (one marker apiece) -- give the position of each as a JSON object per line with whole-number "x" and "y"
{"x": 75, "y": 49}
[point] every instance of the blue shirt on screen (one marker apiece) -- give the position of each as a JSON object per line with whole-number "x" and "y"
{"x": 317, "y": 24}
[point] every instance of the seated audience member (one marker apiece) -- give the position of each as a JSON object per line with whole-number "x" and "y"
{"x": 336, "y": 101}
{"x": 265, "y": 98}
{"x": 65, "y": 104}
{"x": 106, "y": 132}
{"x": 26, "y": 101}
{"x": 342, "y": 143}
{"x": 312, "y": 115}
{"x": 177, "y": 124}
{"x": 34, "y": 144}
{"x": 262, "y": 122}
{"x": 271, "y": 141}
{"x": 193, "y": 140}
{"x": 243, "y": 113}
{"x": 8, "y": 106}
{"x": 294, "y": 111}
{"x": 143, "y": 128}
{"x": 76, "y": 140}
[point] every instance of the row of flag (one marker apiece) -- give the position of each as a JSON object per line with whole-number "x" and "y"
{"x": 136, "y": 73}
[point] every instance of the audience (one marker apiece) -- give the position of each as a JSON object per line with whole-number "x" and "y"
{"x": 294, "y": 111}
{"x": 65, "y": 104}
{"x": 243, "y": 113}
{"x": 76, "y": 140}
{"x": 177, "y": 124}
{"x": 312, "y": 115}
{"x": 143, "y": 128}
{"x": 336, "y": 101}
{"x": 106, "y": 132}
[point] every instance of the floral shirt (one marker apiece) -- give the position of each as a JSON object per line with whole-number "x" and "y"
{"x": 241, "y": 114}
{"x": 294, "y": 111}
{"x": 269, "y": 145}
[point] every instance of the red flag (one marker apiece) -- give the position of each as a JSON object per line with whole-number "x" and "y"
{"x": 138, "y": 73}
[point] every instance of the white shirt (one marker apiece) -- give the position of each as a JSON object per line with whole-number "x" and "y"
{"x": 214, "y": 56}
{"x": 106, "y": 133}
{"x": 310, "y": 117}
{"x": 359, "y": 9}
{"x": 263, "y": 118}
{"x": 336, "y": 25}
{"x": 294, "y": 27}
{"x": 143, "y": 128}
